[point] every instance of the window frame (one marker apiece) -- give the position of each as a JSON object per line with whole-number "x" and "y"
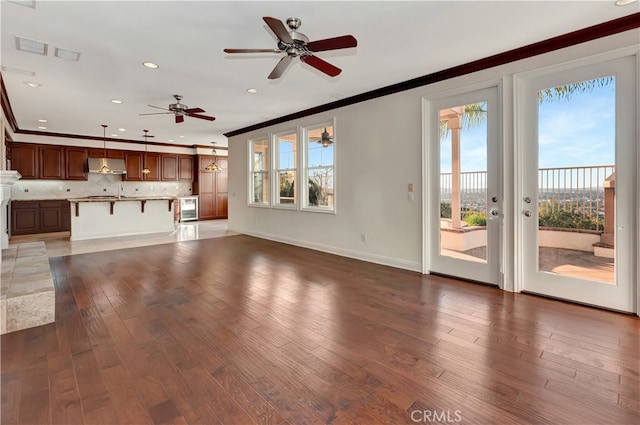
{"x": 306, "y": 169}
{"x": 276, "y": 170}
{"x": 266, "y": 172}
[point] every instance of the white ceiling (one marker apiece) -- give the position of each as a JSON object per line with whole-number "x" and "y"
{"x": 397, "y": 41}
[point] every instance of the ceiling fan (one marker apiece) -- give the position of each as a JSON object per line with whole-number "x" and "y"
{"x": 325, "y": 139}
{"x": 180, "y": 110}
{"x": 295, "y": 44}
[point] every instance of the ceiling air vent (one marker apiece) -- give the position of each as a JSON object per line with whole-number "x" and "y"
{"x": 31, "y": 46}
{"x": 69, "y": 55}
{"x": 26, "y": 3}
{"x": 18, "y": 71}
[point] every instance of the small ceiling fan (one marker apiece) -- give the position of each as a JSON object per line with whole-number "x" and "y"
{"x": 295, "y": 44}
{"x": 180, "y": 110}
{"x": 325, "y": 139}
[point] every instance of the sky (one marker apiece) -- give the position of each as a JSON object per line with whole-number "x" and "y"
{"x": 575, "y": 132}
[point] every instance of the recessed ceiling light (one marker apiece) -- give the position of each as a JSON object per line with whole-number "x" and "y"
{"x": 18, "y": 71}
{"x": 114, "y": 135}
{"x": 252, "y": 90}
{"x": 42, "y": 128}
{"x": 182, "y": 137}
{"x": 33, "y": 84}
{"x": 121, "y": 129}
{"x": 41, "y": 120}
{"x": 170, "y": 140}
{"x": 31, "y": 46}
{"x": 151, "y": 65}
{"x": 624, "y": 2}
{"x": 116, "y": 101}
{"x": 69, "y": 55}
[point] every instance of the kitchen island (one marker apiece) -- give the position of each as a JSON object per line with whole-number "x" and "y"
{"x": 109, "y": 216}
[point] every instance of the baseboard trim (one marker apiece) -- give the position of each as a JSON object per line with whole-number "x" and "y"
{"x": 363, "y": 256}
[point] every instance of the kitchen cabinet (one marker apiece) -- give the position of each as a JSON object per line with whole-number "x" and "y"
{"x": 212, "y": 188}
{"x": 52, "y": 166}
{"x": 169, "y": 167}
{"x": 24, "y": 159}
{"x": 185, "y": 167}
{"x": 76, "y": 164}
{"x": 152, "y": 161}
{"x": 105, "y": 153}
{"x": 30, "y": 217}
{"x": 133, "y": 162}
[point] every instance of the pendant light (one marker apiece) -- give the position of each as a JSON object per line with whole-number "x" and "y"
{"x": 104, "y": 169}
{"x": 213, "y": 166}
{"x": 145, "y": 169}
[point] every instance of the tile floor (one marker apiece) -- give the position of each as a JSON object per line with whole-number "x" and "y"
{"x": 58, "y": 244}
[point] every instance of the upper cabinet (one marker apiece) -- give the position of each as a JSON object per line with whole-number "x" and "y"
{"x": 76, "y": 161}
{"x": 49, "y": 162}
{"x": 169, "y": 167}
{"x": 52, "y": 162}
{"x": 25, "y": 159}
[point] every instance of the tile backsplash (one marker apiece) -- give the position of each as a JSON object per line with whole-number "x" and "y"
{"x": 97, "y": 184}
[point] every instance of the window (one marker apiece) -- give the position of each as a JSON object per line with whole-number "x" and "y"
{"x": 286, "y": 169}
{"x": 319, "y": 171}
{"x": 259, "y": 172}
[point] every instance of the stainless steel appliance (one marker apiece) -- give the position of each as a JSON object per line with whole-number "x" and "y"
{"x": 188, "y": 208}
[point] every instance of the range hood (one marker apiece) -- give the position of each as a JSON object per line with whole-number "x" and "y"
{"x": 107, "y": 166}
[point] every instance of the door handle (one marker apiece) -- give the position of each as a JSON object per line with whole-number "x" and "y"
{"x": 527, "y": 213}
{"x": 494, "y": 212}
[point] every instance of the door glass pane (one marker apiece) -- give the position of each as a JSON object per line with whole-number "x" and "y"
{"x": 463, "y": 182}
{"x": 576, "y": 179}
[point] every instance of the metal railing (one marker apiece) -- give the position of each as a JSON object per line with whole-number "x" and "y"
{"x": 574, "y": 189}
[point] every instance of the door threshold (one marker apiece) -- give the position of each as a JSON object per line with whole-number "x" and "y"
{"x": 564, "y": 300}
{"x": 464, "y": 279}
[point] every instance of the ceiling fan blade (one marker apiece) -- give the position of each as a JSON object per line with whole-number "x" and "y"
{"x": 251, "y": 51}
{"x": 280, "y": 67}
{"x": 334, "y": 43}
{"x": 202, "y": 117}
{"x": 179, "y": 119}
{"x": 164, "y": 109}
{"x": 157, "y": 113}
{"x": 321, "y": 65}
{"x": 278, "y": 29}
{"x": 194, "y": 110}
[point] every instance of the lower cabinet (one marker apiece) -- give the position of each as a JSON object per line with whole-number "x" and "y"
{"x": 30, "y": 217}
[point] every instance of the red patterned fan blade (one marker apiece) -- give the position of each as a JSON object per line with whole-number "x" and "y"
{"x": 321, "y": 65}
{"x": 280, "y": 68}
{"x": 334, "y": 43}
{"x": 202, "y": 117}
{"x": 194, "y": 110}
{"x": 251, "y": 51}
{"x": 278, "y": 29}
{"x": 179, "y": 119}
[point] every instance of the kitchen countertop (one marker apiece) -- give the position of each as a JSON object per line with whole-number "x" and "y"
{"x": 122, "y": 198}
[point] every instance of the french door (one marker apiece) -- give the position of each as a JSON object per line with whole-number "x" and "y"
{"x": 464, "y": 172}
{"x": 578, "y": 184}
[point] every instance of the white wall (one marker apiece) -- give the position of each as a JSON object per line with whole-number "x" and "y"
{"x": 379, "y": 151}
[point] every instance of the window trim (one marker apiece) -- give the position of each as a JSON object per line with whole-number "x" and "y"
{"x": 304, "y": 206}
{"x": 275, "y": 171}
{"x": 267, "y": 172}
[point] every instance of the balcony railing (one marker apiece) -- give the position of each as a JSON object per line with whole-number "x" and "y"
{"x": 574, "y": 189}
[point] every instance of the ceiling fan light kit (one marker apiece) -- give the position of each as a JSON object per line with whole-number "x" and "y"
{"x": 295, "y": 44}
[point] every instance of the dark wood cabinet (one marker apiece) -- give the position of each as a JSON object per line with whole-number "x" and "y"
{"x": 152, "y": 161}
{"x": 30, "y": 217}
{"x": 105, "y": 153}
{"x": 212, "y": 188}
{"x": 52, "y": 162}
{"x": 169, "y": 168}
{"x": 24, "y": 159}
{"x": 133, "y": 162}
{"x": 76, "y": 161}
{"x": 185, "y": 168}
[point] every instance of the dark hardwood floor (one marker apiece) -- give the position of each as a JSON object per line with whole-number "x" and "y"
{"x": 239, "y": 330}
